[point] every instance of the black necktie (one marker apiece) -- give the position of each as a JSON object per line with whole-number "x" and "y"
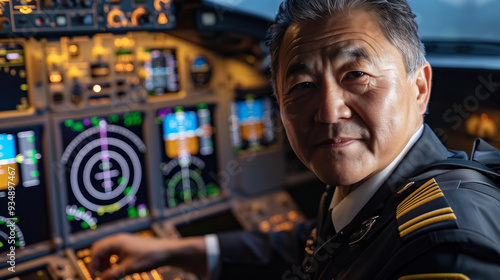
{"x": 327, "y": 229}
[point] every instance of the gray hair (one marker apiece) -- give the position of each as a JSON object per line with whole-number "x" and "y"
{"x": 395, "y": 16}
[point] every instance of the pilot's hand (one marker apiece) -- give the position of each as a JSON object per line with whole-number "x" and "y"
{"x": 136, "y": 254}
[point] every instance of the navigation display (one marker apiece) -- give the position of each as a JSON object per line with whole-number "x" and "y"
{"x": 189, "y": 159}
{"x": 104, "y": 160}
{"x": 252, "y": 123}
{"x": 161, "y": 72}
{"x": 24, "y": 219}
{"x": 13, "y": 78}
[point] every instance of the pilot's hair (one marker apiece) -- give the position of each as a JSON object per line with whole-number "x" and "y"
{"x": 395, "y": 16}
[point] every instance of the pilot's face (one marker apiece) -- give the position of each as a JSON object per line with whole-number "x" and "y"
{"x": 346, "y": 104}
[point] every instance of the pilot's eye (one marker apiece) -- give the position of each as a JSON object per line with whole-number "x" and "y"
{"x": 354, "y": 75}
{"x": 304, "y": 85}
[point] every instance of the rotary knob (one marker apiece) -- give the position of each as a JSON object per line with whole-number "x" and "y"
{"x": 116, "y": 18}
{"x": 140, "y": 17}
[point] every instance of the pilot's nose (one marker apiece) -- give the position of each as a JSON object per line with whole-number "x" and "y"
{"x": 332, "y": 105}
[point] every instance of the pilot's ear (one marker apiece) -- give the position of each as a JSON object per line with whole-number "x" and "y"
{"x": 423, "y": 86}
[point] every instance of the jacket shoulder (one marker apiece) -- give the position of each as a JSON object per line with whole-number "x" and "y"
{"x": 462, "y": 205}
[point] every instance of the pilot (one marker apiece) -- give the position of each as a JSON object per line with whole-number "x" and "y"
{"x": 352, "y": 85}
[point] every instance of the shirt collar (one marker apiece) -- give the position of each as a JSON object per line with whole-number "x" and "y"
{"x": 344, "y": 210}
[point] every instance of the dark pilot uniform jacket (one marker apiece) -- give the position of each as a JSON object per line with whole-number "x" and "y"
{"x": 434, "y": 228}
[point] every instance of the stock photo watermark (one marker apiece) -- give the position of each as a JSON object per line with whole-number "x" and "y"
{"x": 11, "y": 221}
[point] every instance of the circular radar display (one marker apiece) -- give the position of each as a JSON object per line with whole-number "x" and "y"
{"x": 104, "y": 160}
{"x": 189, "y": 166}
{"x": 185, "y": 182}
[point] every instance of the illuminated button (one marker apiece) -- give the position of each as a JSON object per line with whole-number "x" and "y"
{"x": 129, "y": 67}
{"x": 208, "y": 19}
{"x": 53, "y": 59}
{"x": 80, "y": 254}
{"x": 87, "y": 19}
{"x": 143, "y": 73}
{"x": 119, "y": 67}
{"x": 61, "y": 20}
{"x": 97, "y": 88}
{"x": 113, "y": 259}
{"x": 293, "y": 216}
{"x": 26, "y": 9}
{"x": 126, "y": 42}
{"x": 162, "y": 19}
{"x": 74, "y": 50}
{"x": 287, "y": 226}
{"x": 55, "y": 77}
{"x": 276, "y": 219}
{"x": 118, "y": 43}
{"x": 39, "y": 21}
{"x": 265, "y": 226}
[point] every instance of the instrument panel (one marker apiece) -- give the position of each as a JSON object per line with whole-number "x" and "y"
{"x": 36, "y": 18}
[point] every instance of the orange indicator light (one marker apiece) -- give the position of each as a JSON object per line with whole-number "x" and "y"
{"x": 73, "y": 50}
{"x": 162, "y": 19}
{"x": 129, "y": 67}
{"x": 55, "y": 78}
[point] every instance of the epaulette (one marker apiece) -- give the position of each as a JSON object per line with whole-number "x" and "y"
{"x": 425, "y": 209}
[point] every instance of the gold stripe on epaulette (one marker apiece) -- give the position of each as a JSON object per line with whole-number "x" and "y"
{"x": 420, "y": 218}
{"x": 420, "y": 203}
{"x": 427, "y": 222}
{"x": 432, "y": 189}
{"x": 432, "y": 181}
{"x": 436, "y": 276}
